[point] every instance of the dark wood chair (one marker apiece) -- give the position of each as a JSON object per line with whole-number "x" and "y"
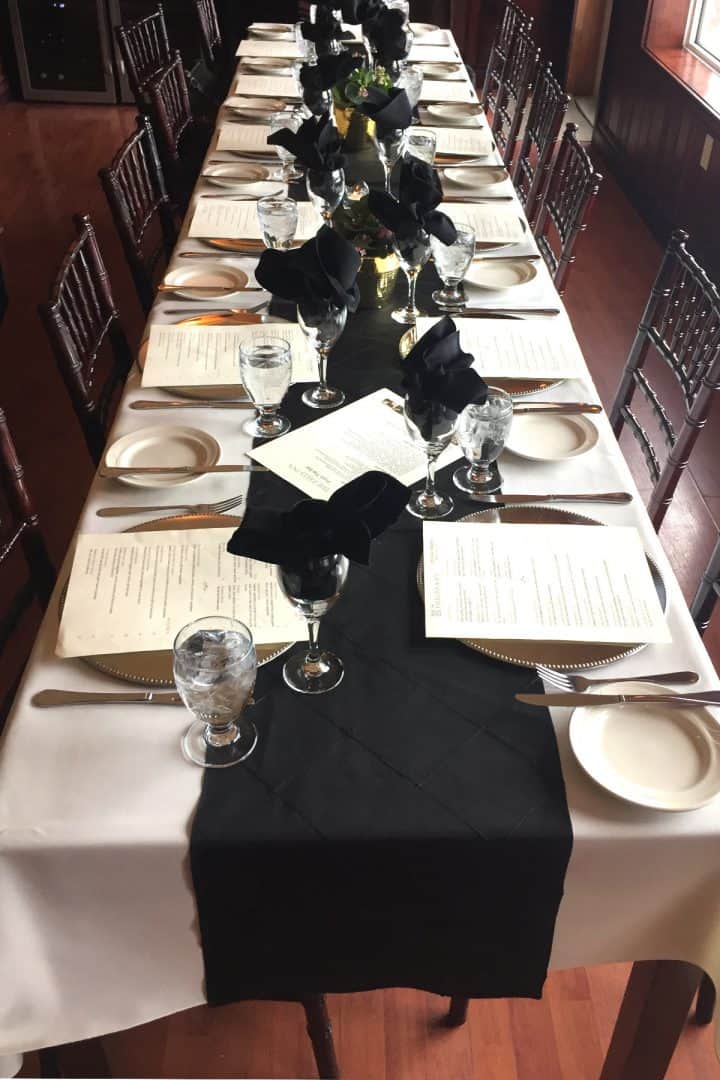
{"x": 211, "y": 41}
{"x": 183, "y": 137}
{"x": 534, "y": 160}
{"x": 511, "y": 20}
{"x": 681, "y": 323}
{"x": 81, "y": 319}
{"x": 515, "y": 87}
{"x": 141, "y": 209}
{"x": 145, "y": 50}
{"x": 565, "y": 209}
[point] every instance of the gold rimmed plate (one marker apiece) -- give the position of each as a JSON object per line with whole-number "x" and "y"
{"x": 560, "y": 655}
{"x": 156, "y": 668}
{"x": 516, "y": 388}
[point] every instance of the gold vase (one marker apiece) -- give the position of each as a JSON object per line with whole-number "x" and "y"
{"x": 376, "y": 279}
{"x": 355, "y": 129}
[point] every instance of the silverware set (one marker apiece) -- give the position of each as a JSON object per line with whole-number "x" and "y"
{"x": 707, "y": 697}
{"x": 218, "y": 311}
{"x": 220, "y": 507}
{"x": 562, "y": 681}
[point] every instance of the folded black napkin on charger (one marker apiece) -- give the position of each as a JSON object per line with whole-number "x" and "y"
{"x": 316, "y": 144}
{"x": 419, "y": 192}
{"x": 391, "y": 111}
{"x": 330, "y": 69}
{"x": 438, "y": 372}
{"x": 344, "y": 525}
{"x": 388, "y": 35}
{"x": 323, "y": 271}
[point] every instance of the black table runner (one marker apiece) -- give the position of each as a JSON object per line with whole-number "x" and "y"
{"x": 410, "y": 827}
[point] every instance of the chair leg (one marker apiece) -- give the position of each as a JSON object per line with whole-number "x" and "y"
{"x": 49, "y": 1064}
{"x": 319, "y": 1029}
{"x": 457, "y": 1013}
{"x": 705, "y": 1004}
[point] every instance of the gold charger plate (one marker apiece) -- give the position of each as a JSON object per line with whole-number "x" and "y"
{"x": 514, "y": 387}
{"x": 156, "y": 668}
{"x": 561, "y": 655}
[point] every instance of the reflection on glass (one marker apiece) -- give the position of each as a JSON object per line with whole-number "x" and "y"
{"x": 292, "y": 119}
{"x": 323, "y": 325}
{"x": 413, "y": 252}
{"x": 325, "y": 191}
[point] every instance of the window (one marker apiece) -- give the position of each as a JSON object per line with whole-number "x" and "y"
{"x": 702, "y": 36}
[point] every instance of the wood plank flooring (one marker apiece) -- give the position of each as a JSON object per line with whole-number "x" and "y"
{"x": 50, "y": 157}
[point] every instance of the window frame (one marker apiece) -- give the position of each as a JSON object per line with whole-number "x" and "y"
{"x": 690, "y": 40}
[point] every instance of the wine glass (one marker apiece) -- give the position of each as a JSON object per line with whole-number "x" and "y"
{"x": 287, "y": 118}
{"x": 215, "y": 665}
{"x": 413, "y": 252}
{"x": 323, "y": 326}
{"x": 411, "y": 81}
{"x": 421, "y": 143}
{"x": 389, "y": 149}
{"x": 265, "y": 368}
{"x": 325, "y": 191}
{"x": 452, "y": 262}
{"x": 278, "y": 217}
{"x": 312, "y": 587}
{"x": 482, "y": 431}
{"x": 432, "y": 426}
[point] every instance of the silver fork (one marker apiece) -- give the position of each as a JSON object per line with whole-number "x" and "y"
{"x": 561, "y": 681}
{"x": 219, "y": 507}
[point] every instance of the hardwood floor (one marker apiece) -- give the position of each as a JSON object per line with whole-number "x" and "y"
{"x": 50, "y": 160}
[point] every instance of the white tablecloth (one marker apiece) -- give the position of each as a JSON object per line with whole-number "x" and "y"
{"x": 97, "y": 917}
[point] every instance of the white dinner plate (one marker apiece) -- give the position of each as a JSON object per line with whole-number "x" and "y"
{"x": 221, "y": 276}
{"x": 162, "y": 446}
{"x": 422, "y": 29}
{"x": 456, "y": 113}
{"x": 232, "y": 173}
{"x": 254, "y": 108}
{"x": 500, "y": 273}
{"x": 665, "y": 757}
{"x": 268, "y": 65}
{"x": 547, "y": 437}
{"x": 475, "y": 178}
{"x": 272, "y": 31}
{"x": 440, "y": 70}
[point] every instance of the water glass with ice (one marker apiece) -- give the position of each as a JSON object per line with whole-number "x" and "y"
{"x": 452, "y": 262}
{"x": 482, "y": 431}
{"x": 278, "y": 218}
{"x": 421, "y": 143}
{"x": 265, "y": 369}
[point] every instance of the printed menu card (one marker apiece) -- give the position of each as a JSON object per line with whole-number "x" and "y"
{"x": 233, "y": 136}
{"x": 279, "y": 86}
{"x": 527, "y": 349}
{"x": 463, "y": 140}
{"x": 255, "y": 47}
{"x": 492, "y": 224}
{"x": 444, "y": 90}
{"x": 209, "y": 355}
{"x": 539, "y": 582}
{"x": 369, "y": 434}
{"x": 133, "y": 592}
{"x": 227, "y": 220}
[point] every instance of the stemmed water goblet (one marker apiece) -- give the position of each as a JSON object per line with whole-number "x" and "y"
{"x": 265, "y": 368}
{"x": 291, "y": 119}
{"x": 413, "y": 252}
{"x": 452, "y": 262}
{"x": 278, "y": 218}
{"x": 432, "y": 426}
{"x": 390, "y": 147}
{"x": 313, "y": 586}
{"x": 325, "y": 191}
{"x": 215, "y": 665}
{"x": 482, "y": 431}
{"x": 323, "y": 325}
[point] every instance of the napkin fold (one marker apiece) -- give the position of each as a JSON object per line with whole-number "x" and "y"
{"x": 316, "y": 144}
{"x": 388, "y": 35}
{"x": 360, "y": 11}
{"x": 323, "y": 271}
{"x": 324, "y": 30}
{"x": 330, "y": 69}
{"x": 346, "y": 524}
{"x": 438, "y": 372}
{"x": 419, "y": 192}
{"x": 391, "y": 111}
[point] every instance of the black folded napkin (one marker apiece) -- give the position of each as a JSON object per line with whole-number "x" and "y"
{"x": 419, "y": 192}
{"x": 439, "y": 373}
{"x": 360, "y": 11}
{"x": 388, "y": 35}
{"x": 324, "y": 30}
{"x": 316, "y": 144}
{"x": 391, "y": 111}
{"x": 323, "y": 271}
{"x": 329, "y": 70}
{"x": 344, "y": 525}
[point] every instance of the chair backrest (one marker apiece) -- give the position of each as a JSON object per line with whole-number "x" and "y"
{"x": 170, "y": 108}
{"x": 211, "y": 40}
{"x": 81, "y": 318}
{"x": 534, "y": 161}
{"x": 145, "y": 49}
{"x": 135, "y": 189}
{"x": 708, "y": 592}
{"x": 514, "y": 89}
{"x": 681, "y": 323}
{"x": 511, "y": 20}
{"x": 571, "y": 192}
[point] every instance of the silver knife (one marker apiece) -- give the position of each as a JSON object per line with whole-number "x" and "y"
{"x": 482, "y": 313}
{"x": 517, "y": 500}
{"x": 192, "y": 405}
{"x": 707, "y": 697}
{"x": 111, "y": 471}
{"x": 47, "y": 699}
{"x": 559, "y": 407}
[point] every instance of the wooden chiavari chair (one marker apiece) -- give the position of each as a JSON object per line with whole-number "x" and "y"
{"x": 183, "y": 138}
{"x": 512, "y": 19}
{"x": 682, "y": 323}
{"x": 145, "y": 50}
{"x": 514, "y": 90}
{"x": 211, "y": 41}
{"x": 565, "y": 210}
{"x": 534, "y": 161}
{"x": 139, "y": 203}
{"x": 81, "y": 318}
{"x": 708, "y": 592}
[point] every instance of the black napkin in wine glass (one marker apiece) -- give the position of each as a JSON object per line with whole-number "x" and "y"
{"x": 388, "y": 35}
{"x": 323, "y": 271}
{"x": 419, "y": 193}
{"x": 324, "y": 30}
{"x": 346, "y": 524}
{"x": 360, "y": 11}
{"x": 438, "y": 373}
{"x": 316, "y": 144}
{"x": 330, "y": 69}
{"x": 391, "y": 111}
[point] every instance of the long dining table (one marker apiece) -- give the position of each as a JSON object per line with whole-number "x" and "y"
{"x": 97, "y": 919}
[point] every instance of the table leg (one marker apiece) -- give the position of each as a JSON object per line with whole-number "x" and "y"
{"x": 319, "y": 1029}
{"x": 653, "y": 1013}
